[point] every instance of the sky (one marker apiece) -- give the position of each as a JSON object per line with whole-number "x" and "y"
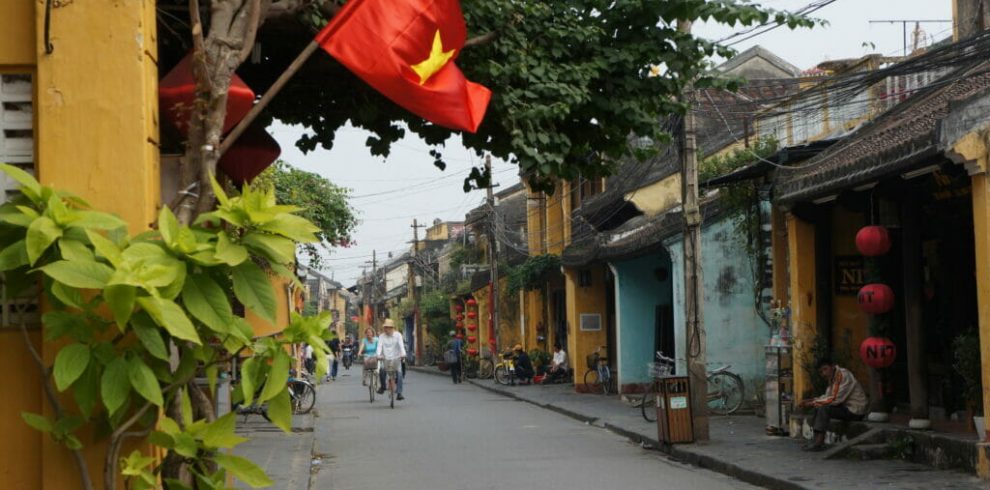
{"x": 388, "y": 193}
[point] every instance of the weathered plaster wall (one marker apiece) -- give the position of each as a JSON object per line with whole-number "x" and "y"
{"x": 638, "y": 293}
{"x": 658, "y": 196}
{"x": 584, "y": 300}
{"x": 736, "y": 334}
{"x": 850, "y": 326}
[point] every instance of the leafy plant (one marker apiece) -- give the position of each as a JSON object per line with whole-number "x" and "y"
{"x": 540, "y": 359}
{"x": 140, "y": 317}
{"x": 532, "y": 273}
{"x": 966, "y": 347}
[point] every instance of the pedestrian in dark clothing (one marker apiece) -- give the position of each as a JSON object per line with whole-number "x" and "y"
{"x": 524, "y": 366}
{"x": 334, "y": 345}
{"x": 456, "y": 346}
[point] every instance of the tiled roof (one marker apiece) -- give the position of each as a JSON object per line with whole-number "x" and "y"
{"x": 895, "y": 141}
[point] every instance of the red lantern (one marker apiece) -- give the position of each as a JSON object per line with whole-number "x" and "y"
{"x": 472, "y": 314}
{"x": 251, "y": 154}
{"x": 460, "y": 317}
{"x": 472, "y": 327}
{"x": 491, "y": 343}
{"x": 459, "y": 324}
{"x": 873, "y": 241}
{"x": 472, "y": 351}
{"x": 471, "y": 302}
{"x": 876, "y": 298}
{"x": 355, "y": 318}
{"x": 878, "y": 352}
{"x": 177, "y": 96}
{"x": 472, "y": 339}
{"x": 458, "y": 308}
{"x": 459, "y": 336}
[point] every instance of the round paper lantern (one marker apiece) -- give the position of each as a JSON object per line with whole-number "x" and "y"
{"x": 460, "y": 317}
{"x": 471, "y": 302}
{"x": 876, "y": 298}
{"x": 459, "y": 324}
{"x": 472, "y": 327}
{"x": 873, "y": 241}
{"x": 458, "y": 308}
{"x": 472, "y": 339}
{"x": 472, "y": 314}
{"x": 472, "y": 351}
{"x": 878, "y": 352}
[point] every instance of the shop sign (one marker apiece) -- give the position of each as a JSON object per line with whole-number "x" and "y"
{"x": 849, "y": 272}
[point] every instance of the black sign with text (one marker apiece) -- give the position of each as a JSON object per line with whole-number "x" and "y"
{"x": 849, "y": 274}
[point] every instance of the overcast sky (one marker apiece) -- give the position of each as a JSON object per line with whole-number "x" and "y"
{"x": 389, "y": 193}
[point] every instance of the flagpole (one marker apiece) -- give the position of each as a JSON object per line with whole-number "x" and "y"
{"x": 269, "y": 95}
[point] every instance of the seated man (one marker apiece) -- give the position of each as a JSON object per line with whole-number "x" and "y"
{"x": 524, "y": 366}
{"x": 843, "y": 400}
{"x": 558, "y": 365}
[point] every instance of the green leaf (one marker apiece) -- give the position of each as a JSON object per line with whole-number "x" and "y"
{"x": 277, "y": 249}
{"x": 249, "y": 379}
{"x": 115, "y": 385}
{"x": 72, "y": 442}
{"x": 29, "y": 186}
{"x": 105, "y": 248}
{"x": 38, "y": 422}
{"x": 293, "y": 227}
{"x": 169, "y": 426}
{"x": 70, "y": 362}
{"x": 168, "y": 226}
{"x": 75, "y": 250}
{"x": 280, "y": 411}
{"x": 87, "y": 390}
{"x": 245, "y": 470}
{"x": 220, "y": 433}
{"x": 207, "y": 302}
{"x": 135, "y": 463}
{"x": 218, "y": 191}
{"x": 14, "y": 256}
{"x": 231, "y": 254}
{"x": 60, "y": 323}
{"x": 40, "y": 235}
{"x": 278, "y": 376}
{"x": 253, "y": 289}
{"x": 185, "y": 444}
{"x": 144, "y": 382}
{"x": 67, "y": 295}
{"x": 171, "y": 317}
{"x": 83, "y": 275}
{"x": 146, "y": 331}
{"x": 120, "y": 298}
{"x": 95, "y": 220}
{"x": 161, "y": 439}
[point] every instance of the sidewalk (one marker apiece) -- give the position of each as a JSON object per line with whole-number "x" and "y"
{"x": 286, "y": 458}
{"x": 738, "y": 446}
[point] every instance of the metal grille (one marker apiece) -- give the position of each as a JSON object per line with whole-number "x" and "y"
{"x": 16, "y": 148}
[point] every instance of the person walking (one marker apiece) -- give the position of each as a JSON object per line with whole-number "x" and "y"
{"x": 391, "y": 349}
{"x": 334, "y": 345}
{"x": 454, "y": 348}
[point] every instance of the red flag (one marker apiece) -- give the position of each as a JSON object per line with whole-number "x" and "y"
{"x": 406, "y": 49}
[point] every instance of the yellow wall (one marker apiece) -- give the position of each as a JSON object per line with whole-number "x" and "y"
{"x": 658, "y": 196}
{"x": 17, "y": 26}
{"x": 801, "y": 244}
{"x": 263, "y": 327}
{"x": 584, "y": 300}
{"x": 20, "y": 451}
{"x": 555, "y": 222}
{"x": 482, "y": 297}
{"x": 534, "y": 311}
{"x": 850, "y": 326}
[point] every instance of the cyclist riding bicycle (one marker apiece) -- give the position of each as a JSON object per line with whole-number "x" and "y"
{"x": 369, "y": 351}
{"x": 391, "y": 349}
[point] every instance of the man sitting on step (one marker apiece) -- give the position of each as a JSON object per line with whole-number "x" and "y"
{"x": 843, "y": 400}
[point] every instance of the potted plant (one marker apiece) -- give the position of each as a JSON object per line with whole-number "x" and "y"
{"x": 966, "y": 347}
{"x": 540, "y": 359}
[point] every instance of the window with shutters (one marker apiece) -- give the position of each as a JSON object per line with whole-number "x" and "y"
{"x": 16, "y": 148}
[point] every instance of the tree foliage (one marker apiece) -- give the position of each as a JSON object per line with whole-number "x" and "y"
{"x": 319, "y": 201}
{"x": 140, "y": 317}
{"x": 532, "y": 273}
{"x": 572, "y": 80}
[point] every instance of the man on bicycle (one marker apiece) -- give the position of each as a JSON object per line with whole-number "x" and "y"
{"x": 392, "y": 350}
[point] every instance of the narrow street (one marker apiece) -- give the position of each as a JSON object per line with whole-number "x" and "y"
{"x": 446, "y": 436}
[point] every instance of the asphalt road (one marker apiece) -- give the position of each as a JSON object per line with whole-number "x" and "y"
{"x": 456, "y": 437}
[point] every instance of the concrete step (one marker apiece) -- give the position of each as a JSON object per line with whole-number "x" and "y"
{"x": 868, "y": 452}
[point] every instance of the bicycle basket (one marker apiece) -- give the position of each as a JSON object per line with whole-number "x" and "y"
{"x": 658, "y": 369}
{"x": 371, "y": 363}
{"x": 592, "y": 360}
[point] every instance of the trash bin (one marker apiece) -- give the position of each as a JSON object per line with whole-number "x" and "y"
{"x": 674, "y": 420}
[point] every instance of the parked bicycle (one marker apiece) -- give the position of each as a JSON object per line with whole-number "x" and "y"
{"x": 726, "y": 390}
{"x": 598, "y": 378}
{"x": 302, "y": 397}
{"x": 480, "y": 366}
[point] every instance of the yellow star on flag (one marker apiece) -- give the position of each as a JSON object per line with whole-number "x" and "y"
{"x": 437, "y": 59}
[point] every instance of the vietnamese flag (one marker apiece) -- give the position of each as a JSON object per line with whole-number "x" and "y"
{"x": 406, "y": 49}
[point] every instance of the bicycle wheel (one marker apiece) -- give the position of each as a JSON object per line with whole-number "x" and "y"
{"x": 485, "y": 368}
{"x": 725, "y": 393}
{"x": 591, "y": 381}
{"x": 372, "y": 381}
{"x": 501, "y": 375}
{"x": 605, "y": 374}
{"x": 304, "y": 397}
{"x": 648, "y": 404}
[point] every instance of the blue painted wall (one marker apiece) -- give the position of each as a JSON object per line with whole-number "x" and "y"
{"x": 736, "y": 334}
{"x": 638, "y": 292}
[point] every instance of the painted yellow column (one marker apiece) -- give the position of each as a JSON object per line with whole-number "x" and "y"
{"x": 97, "y": 132}
{"x": 801, "y": 244}
{"x": 981, "y": 231}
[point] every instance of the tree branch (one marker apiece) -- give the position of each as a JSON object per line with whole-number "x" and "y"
{"x": 481, "y": 40}
{"x": 251, "y": 31}
{"x": 77, "y": 456}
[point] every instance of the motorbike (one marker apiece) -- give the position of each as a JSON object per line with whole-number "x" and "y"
{"x": 348, "y": 356}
